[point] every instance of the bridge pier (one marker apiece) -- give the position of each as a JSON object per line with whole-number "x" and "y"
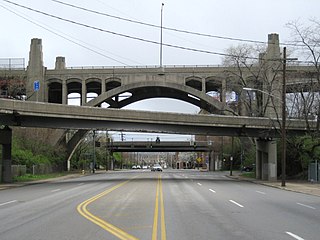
{"x": 266, "y": 160}
{"x": 5, "y": 165}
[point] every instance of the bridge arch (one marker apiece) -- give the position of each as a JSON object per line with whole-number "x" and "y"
{"x": 147, "y": 90}
{"x": 150, "y": 89}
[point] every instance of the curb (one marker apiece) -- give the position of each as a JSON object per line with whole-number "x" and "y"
{"x": 22, "y": 184}
{"x": 286, "y": 188}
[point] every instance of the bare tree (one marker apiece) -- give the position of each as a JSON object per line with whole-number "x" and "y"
{"x": 252, "y": 69}
{"x": 305, "y": 97}
{"x": 307, "y": 43}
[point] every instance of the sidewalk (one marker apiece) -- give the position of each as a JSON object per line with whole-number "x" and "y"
{"x": 291, "y": 185}
{"x": 4, "y": 186}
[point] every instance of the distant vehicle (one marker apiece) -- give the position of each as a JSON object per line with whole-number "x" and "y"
{"x": 134, "y": 167}
{"x": 156, "y": 167}
{"x": 138, "y": 167}
{"x": 248, "y": 168}
{"x": 144, "y": 167}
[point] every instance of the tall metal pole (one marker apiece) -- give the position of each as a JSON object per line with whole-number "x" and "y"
{"x": 94, "y": 151}
{"x": 161, "y": 36}
{"x": 283, "y": 135}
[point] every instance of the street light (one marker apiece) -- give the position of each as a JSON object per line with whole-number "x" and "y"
{"x": 161, "y": 35}
{"x": 161, "y": 69}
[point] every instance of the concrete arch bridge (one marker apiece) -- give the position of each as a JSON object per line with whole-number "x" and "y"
{"x": 187, "y": 83}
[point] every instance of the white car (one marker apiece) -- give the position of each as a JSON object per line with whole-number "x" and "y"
{"x": 156, "y": 167}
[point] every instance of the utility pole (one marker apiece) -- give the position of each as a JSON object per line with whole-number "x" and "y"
{"x": 283, "y": 132}
{"x": 107, "y": 151}
{"x": 94, "y": 151}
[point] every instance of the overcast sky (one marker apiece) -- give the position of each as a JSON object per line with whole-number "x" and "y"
{"x": 242, "y": 19}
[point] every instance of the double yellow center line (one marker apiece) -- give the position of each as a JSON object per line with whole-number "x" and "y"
{"x": 159, "y": 197}
{"x": 82, "y": 209}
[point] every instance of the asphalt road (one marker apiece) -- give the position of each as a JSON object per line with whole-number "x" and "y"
{"x": 184, "y": 204}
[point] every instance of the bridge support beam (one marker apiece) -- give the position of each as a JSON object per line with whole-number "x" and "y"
{"x": 5, "y": 165}
{"x": 266, "y": 160}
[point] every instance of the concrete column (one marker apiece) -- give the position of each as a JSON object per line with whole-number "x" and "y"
{"x": 64, "y": 92}
{"x": 223, "y": 91}
{"x": 6, "y": 163}
{"x": 36, "y": 72}
{"x": 211, "y": 161}
{"x": 103, "y": 86}
{"x": 266, "y": 160}
{"x": 241, "y": 102}
{"x": 60, "y": 63}
{"x": 5, "y": 140}
{"x": 272, "y": 84}
{"x": 83, "y": 93}
{"x": 204, "y": 85}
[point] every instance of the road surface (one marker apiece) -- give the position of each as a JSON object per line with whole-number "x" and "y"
{"x": 174, "y": 204}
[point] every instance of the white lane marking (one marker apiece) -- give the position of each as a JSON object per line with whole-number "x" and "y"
{"x": 304, "y": 205}
{"x": 261, "y": 192}
{"x": 294, "y": 236}
{"x": 56, "y": 190}
{"x": 199, "y": 184}
{"x": 234, "y": 202}
{"x": 5, "y": 203}
{"x": 212, "y": 190}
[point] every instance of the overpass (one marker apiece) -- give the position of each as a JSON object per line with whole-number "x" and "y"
{"x": 47, "y": 115}
{"x": 163, "y": 146}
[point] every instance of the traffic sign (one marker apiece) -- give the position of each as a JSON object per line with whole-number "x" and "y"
{"x": 36, "y": 85}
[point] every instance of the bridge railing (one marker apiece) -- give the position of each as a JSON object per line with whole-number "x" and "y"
{"x": 12, "y": 63}
{"x": 145, "y": 66}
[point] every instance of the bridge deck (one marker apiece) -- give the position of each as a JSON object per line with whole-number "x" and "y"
{"x": 33, "y": 114}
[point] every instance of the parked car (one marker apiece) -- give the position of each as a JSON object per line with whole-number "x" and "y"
{"x": 156, "y": 167}
{"x": 248, "y": 168}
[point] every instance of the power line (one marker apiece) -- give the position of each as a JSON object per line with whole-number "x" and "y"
{"x": 128, "y": 36}
{"x": 168, "y": 28}
{"x": 60, "y": 35}
{"x": 122, "y": 35}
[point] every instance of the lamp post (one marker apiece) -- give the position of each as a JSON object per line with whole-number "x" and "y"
{"x": 161, "y": 35}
